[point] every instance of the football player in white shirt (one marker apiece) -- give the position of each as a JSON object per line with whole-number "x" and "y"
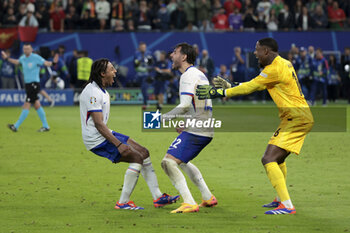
{"x": 99, "y": 139}
{"x": 192, "y": 140}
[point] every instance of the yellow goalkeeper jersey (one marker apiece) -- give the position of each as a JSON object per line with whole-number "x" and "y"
{"x": 280, "y": 79}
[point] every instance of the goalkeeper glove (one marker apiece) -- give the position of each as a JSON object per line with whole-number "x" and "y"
{"x": 209, "y": 92}
{"x": 220, "y": 82}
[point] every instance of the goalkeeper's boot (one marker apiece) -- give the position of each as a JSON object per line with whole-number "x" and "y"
{"x": 209, "y": 203}
{"x": 186, "y": 208}
{"x": 165, "y": 199}
{"x": 281, "y": 209}
{"x": 273, "y": 204}
{"x": 127, "y": 206}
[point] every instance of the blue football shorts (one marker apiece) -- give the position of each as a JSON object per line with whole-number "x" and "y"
{"x": 110, "y": 151}
{"x": 159, "y": 87}
{"x": 187, "y": 146}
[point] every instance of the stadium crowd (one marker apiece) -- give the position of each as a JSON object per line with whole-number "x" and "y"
{"x": 318, "y": 73}
{"x": 187, "y": 15}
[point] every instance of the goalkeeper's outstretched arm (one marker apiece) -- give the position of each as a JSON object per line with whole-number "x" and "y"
{"x": 210, "y": 92}
{"x": 244, "y": 88}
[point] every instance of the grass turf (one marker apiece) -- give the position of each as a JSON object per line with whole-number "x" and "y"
{"x": 50, "y": 183}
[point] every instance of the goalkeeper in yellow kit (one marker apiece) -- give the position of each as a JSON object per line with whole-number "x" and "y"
{"x": 279, "y": 78}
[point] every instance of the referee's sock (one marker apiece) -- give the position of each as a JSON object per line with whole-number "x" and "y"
{"x": 42, "y": 116}
{"x": 277, "y": 180}
{"x": 22, "y": 117}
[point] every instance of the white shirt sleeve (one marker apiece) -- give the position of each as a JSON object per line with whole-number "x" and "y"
{"x": 182, "y": 108}
{"x": 187, "y": 86}
{"x": 94, "y": 102}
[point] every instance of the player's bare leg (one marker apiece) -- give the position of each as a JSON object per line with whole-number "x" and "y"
{"x": 274, "y": 156}
{"x": 46, "y": 96}
{"x": 171, "y": 168}
{"x": 37, "y": 104}
{"x": 159, "y": 199}
{"x": 160, "y": 99}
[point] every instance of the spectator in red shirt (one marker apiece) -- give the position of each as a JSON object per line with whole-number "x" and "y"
{"x": 57, "y": 19}
{"x": 329, "y": 6}
{"x": 220, "y": 20}
{"x": 336, "y": 16}
{"x": 230, "y": 6}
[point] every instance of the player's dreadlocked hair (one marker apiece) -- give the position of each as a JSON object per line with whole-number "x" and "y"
{"x": 269, "y": 42}
{"x": 99, "y": 66}
{"x": 189, "y": 51}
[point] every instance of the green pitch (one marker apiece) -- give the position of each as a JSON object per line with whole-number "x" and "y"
{"x": 50, "y": 183}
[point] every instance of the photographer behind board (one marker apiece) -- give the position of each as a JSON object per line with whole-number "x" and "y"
{"x": 143, "y": 63}
{"x": 54, "y": 82}
{"x": 163, "y": 74}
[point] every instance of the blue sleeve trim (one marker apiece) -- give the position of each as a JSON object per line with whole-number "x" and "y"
{"x": 187, "y": 93}
{"x": 97, "y": 110}
{"x": 104, "y": 91}
{"x": 188, "y": 68}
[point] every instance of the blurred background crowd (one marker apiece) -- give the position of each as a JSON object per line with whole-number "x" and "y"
{"x": 186, "y": 15}
{"x": 321, "y": 75}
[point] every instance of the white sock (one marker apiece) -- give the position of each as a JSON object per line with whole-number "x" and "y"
{"x": 195, "y": 175}
{"x": 278, "y": 199}
{"x": 150, "y": 177}
{"x": 130, "y": 180}
{"x": 288, "y": 204}
{"x": 178, "y": 180}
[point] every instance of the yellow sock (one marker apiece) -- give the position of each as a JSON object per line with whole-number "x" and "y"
{"x": 283, "y": 168}
{"x": 277, "y": 180}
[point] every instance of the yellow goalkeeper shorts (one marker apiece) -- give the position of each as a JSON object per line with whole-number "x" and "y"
{"x": 290, "y": 135}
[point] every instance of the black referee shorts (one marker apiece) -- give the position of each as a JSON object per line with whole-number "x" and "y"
{"x": 32, "y": 91}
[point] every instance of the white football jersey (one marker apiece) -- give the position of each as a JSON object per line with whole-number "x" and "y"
{"x": 93, "y": 99}
{"x": 201, "y": 109}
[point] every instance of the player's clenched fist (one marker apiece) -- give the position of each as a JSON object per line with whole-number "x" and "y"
{"x": 125, "y": 150}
